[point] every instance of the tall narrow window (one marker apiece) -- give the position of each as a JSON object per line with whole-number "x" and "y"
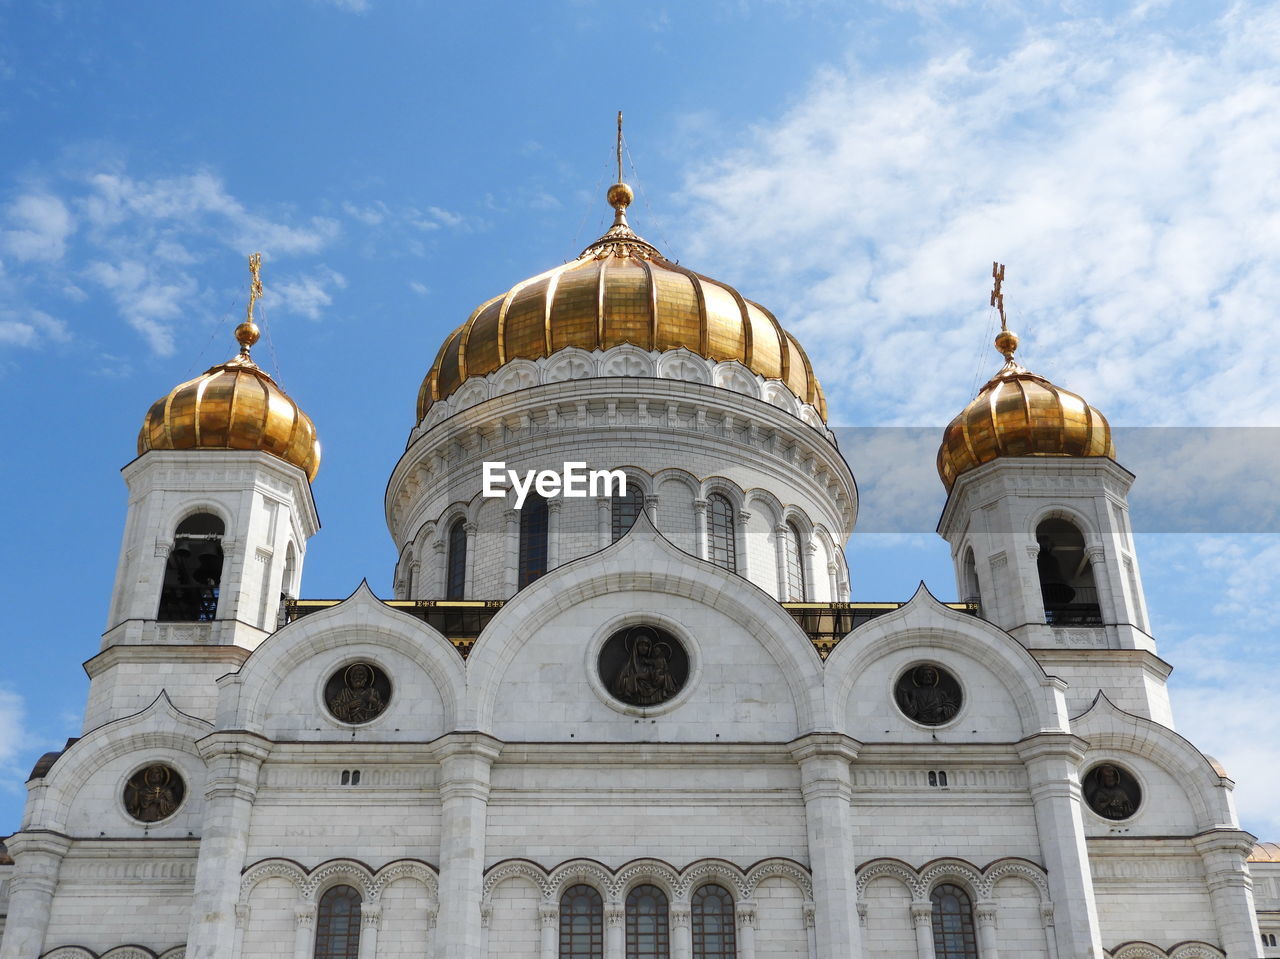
{"x": 193, "y": 573}
{"x": 953, "y": 924}
{"x": 626, "y": 510}
{"x": 722, "y": 546}
{"x": 338, "y": 924}
{"x": 1066, "y": 576}
{"x": 648, "y": 935}
{"x": 533, "y": 539}
{"x": 970, "y": 575}
{"x": 795, "y": 564}
{"x": 581, "y": 923}
{"x": 712, "y": 922}
{"x": 456, "y": 574}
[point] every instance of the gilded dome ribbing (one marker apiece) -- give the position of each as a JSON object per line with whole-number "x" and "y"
{"x": 620, "y": 289}
{"x": 233, "y": 406}
{"x": 1018, "y": 413}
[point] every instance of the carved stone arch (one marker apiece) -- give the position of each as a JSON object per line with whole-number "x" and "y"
{"x": 1196, "y": 950}
{"x": 179, "y": 513}
{"x": 69, "y": 952}
{"x": 1021, "y": 868}
{"x": 682, "y": 365}
{"x": 272, "y": 869}
{"x": 644, "y": 482}
{"x": 517, "y": 374}
{"x": 177, "y": 952}
{"x": 958, "y": 871}
{"x": 339, "y": 872}
{"x": 732, "y": 375}
{"x": 776, "y": 394}
{"x": 627, "y": 360}
{"x": 569, "y": 363}
{"x": 641, "y": 871}
{"x": 925, "y": 623}
{"x": 1086, "y": 526}
{"x": 473, "y": 392}
{"x": 704, "y": 871}
{"x": 160, "y": 726}
{"x": 500, "y": 872}
{"x": 779, "y": 869}
{"x": 758, "y": 499}
{"x": 1138, "y": 950}
{"x": 576, "y": 871}
{"x": 361, "y": 616}
{"x": 677, "y": 475}
{"x": 794, "y": 514}
{"x": 811, "y": 417}
{"x": 1112, "y": 730}
{"x": 727, "y": 488}
{"x": 404, "y": 869}
{"x": 674, "y": 572}
{"x": 128, "y": 952}
{"x": 889, "y": 868}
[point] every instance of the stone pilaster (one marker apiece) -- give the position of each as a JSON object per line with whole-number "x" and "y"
{"x": 37, "y": 860}
{"x": 1053, "y": 763}
{"x": 680, "y": 915}
{"x": 466, "y": 760}
{"x": 370, "y": 923}
{"x": 234, "y": 759}
{"x": 1225, "y": 853}
{"x": 745, "y": 914}
{"x": 304, "y": 934}
{"x": 549, "y": 914}
{"x": 985, "y": 911}
{"x": 700, "y": 521}
{"x": 615, "y": 919}
{"x": 922, "y": 921}
{"x": 824, "y": 760}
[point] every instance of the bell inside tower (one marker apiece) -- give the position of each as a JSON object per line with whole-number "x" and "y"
{"x": 193, "y": 572}
{"x": 1066, "y": 577}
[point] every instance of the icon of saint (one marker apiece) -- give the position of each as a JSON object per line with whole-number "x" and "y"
{"x": 358, "y": 701}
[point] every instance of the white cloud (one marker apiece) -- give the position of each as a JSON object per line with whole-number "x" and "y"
{"x": 1127, "y": 183}
{"x": 31, "y": 328}
{"x": 420, "y": 288}
{"x": 15, "y": 738}
{"x": 38, "y": 227}
{"x": 307, "y": 294}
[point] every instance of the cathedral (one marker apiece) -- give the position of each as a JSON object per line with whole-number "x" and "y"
{"x": 621, "y": 705}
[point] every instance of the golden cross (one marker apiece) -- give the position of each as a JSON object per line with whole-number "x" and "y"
{"x": 997, "y": 295}
{"x": 255, "y": 283}
{"x": 619, "y": 146}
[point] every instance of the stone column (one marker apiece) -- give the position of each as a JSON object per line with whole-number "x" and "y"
{"x": 37, "y": 860}
{"x": 615, "y": 918}
{"x": 700, "y": 533}
{"x": 989, "y": 945}
{"x": 370, "y": 922}
{"x": 680, "y": 915}
{"x": 810, "y": 910}
{"x": 242, "y": 923}
{"x": 511, "y": 562}
{"x": 1050, "y": 938}
{"x": 1225, "y": 853}
{"x": 922, "y": 920}
{"x": 440, "y": 569}
{"x": 781, "y": 535}
{"x": 304, "y": 934}
{"x": 234, "y": 759}
{"x": 466, "y": 760}
{"x": 651, "y": 507}
{"x": 549, "y": 913}
{"x": 1053, "y": 762}
{"x": 604, "y": 520}
{"x": 741, "y": 546}
{"x": 554, "y": 506}
{"x": 469, "y": 567}
{"x": 745, "y": 914}
{"x": 824, "y": 760}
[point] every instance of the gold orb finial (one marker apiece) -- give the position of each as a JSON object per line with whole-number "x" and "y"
{"x": 247, "y": 333}
{"x": 620, "y": 196}
{"x": 1007, "y": 343}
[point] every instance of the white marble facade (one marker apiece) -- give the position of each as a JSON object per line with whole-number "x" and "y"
{"x": 493, "y": 783}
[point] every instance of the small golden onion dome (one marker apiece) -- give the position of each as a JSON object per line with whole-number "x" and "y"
{"x": 233, "y": 406}
{"x": 1018, "y": 413}
{"x": 1265, "y": 852}
{"x": 620, "y": 289}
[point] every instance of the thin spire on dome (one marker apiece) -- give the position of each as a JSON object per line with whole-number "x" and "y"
{"x": 620, "y": 239}
{"x": 247, "y": 333}
{"x": 1006, "y": 340}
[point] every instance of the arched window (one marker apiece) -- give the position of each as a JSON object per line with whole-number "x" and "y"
{"x": 648, "y": 935}
{"x": 193, "y": 572}
{"x": 712, "y": 922}
{"x": 953, "y": 924}
{"x": 581, "y": 923}
{"x": 456, "y": 572}
{"x": 533, "y": 539}
{"x": 626, "y": 510}
{"x": 722, "y": 546}
{"x": 796, "y": 586}
{"x": 287, "y": 585}
{"x": 1066, "y": 576}
{"x": 969, "y": 573}
{"x": 338, "y": 924}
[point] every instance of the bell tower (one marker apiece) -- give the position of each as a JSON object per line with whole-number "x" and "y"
{"x": 220, "y": 512}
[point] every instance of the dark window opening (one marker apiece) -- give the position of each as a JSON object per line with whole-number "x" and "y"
{"x": 712, "y": 922}
{"x": 533, "y": 540}
{"x": 456, "y": 572}
{"x": 338, "y": 924}
{"x": 193, "y": 572}
{"x": 648, "y": 934}
{"x": 722, "y": 547}
{"x": 581, "y": 923}
{"x": 1066, "y": 576}
{"x": 953, "y": 936}
{"x": 795, "y": 565}
{"x": 626, "y": 510}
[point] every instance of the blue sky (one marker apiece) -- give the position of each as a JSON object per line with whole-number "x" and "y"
{"x": 854, "y": 166}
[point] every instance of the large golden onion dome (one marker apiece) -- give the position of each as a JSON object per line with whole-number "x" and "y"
{"x": 1018, "y": 413}
{"x": 234, "y": 406}
{"x": 620, "y": 289}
